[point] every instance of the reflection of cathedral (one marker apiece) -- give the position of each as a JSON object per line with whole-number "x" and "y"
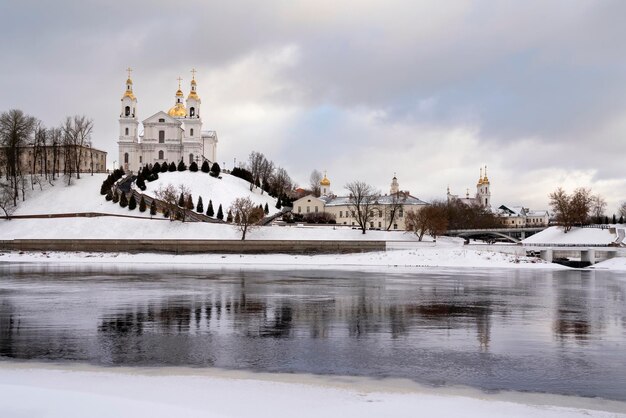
{"x": 167, "y": 136}
{"x": 482, "y": 196}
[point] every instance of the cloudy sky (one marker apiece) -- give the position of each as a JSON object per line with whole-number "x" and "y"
{"x": 430, "y": 90}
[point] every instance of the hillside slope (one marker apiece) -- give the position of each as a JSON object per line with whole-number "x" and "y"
{"x": 220, "y": 191}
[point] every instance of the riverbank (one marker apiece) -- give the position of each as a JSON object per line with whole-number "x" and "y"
{"x": 441, "y": 255}
{"x": 77, "y": 390}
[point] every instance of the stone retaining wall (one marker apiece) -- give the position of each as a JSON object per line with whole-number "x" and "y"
{"x": 194, "y": 246}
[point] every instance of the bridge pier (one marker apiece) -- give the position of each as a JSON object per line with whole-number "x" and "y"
{"x": 588, "y": 256}
{"x": 546, "y": 255}
{"x": 523, "y": 235}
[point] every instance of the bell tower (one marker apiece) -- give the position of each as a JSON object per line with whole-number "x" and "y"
{"x": 128, "y": 138}
{"x": 193, "y": 123}
{"x": 483, "y": 192}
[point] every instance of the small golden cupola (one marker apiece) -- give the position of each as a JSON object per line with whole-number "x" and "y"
{"x": 481, "y": 180}
{"x": 193, "y": 94}
{"x": 178, "y": 110}
{"x": 129, "y": 87}
{"x": 325, "y": 181}
{"x": 485, "y": 179}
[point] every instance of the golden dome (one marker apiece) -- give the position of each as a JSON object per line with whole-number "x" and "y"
{"x": 193, "y": 82}
{"x": 325, "y": 181}
{"x": 129, "y": 94}
{"x": 179, "y": 93}
{"x": 129, "y": 81}
{"x": 193, "y": 95}
{"x": 177, "y": 111}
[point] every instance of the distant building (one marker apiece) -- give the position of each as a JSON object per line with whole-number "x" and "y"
{"x": 521, "y": 217}
{"x": 397, "y": 202}
{"x": 482, "y": 197}
{"x": 167, "y": 137}
{"x": 56, "y": 158}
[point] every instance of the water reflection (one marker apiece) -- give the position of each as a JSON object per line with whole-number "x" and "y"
{"x": 522, "y": 330}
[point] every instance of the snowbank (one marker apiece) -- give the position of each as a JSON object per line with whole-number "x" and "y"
{"x": 220, "y": 191}
{"x": 418, "y": 257}
{"x": 616, "y": 264}
{"x": 81, "y": 196}
{"x": 81, "y": 391}
{"x": 554, "y": 235}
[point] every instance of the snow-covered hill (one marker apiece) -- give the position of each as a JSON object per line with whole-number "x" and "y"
{"x": 576, "y": 236}
{"x": 220, "y": 191}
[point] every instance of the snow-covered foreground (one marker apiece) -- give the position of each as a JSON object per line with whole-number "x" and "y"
{"x": 555, "y": 235}
{"x": 35, "y": 390}
{"x": 433, "y": 256}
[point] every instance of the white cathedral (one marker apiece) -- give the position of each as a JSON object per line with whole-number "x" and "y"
{"x": 167, "y": 137}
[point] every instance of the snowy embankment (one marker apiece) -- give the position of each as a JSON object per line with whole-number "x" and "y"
{"x": 555, "y": 236}
{"x": 220, "y": 191}
{"x": 29, "y": 390}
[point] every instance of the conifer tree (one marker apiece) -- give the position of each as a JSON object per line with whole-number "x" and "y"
{"x": 220, "y": 214}
{"x": 229, "y": 217}
{"x": 200, "y": 207}
{"x": 164, "y": 167}
{"x": 215, "y": 169}
{"x": 205, "y": 167}
{"x": 166, "y": 213}
{"x": 266, "y": 209}
{"x": 278, "y": 203}
{"x": 156, "y": 168}
{"x": 172, "y": 167}
{"x": 621, "y": 219}
{"x": 116, "y": 197}
{"x": 193, "y": 167}
{"x": 182, "y": 166}
{"x": 132, "y": 203}
{"x": 614, "y": 219}
{"x": 109, "y": 196}
{"x": 189, "y": 203}
{"x": 181, "y": 200}
{"x": 142, "y": 204}
{"x": 237, "y": 218}
{"x": 153, "y": 208}
{"x": 123, "y": 200}
{"x": 209, "y": 210}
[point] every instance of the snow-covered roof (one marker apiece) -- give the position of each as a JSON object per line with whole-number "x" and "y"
{"x": 506, "y": 210}
{"x": 400, "y": 198}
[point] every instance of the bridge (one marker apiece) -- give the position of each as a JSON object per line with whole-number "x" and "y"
{"x": 515, "y": 235}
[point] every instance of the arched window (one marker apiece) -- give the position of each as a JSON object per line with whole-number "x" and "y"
{"x": 127, "y": 111}
{"x": 191, "y": 131}
{"x": 190, "y": 158}
{"x": 160, "y": 155}
{"x": 126, "y": 158}
{"x": 126, "y": 131}
{"x": 192, "y": 111}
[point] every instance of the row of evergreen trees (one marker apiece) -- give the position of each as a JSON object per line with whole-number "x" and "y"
{"x": 245, "y": 174}
{"x": 110, "y": 180}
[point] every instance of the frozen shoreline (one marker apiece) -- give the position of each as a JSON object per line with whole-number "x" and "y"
{"x": 453, "y": 257}
{"x": 79, "y": 390}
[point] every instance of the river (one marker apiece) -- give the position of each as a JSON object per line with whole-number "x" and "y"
{"x": 561, "y": 332}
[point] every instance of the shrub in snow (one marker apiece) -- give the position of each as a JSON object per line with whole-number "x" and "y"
{"x": 123, "y": 200}
{"x": 212, "y": 174}
{"x": 132, "y": 203}
{"x": 116, "y": 197}
{"x": 278, "y": 205}
{"x": 166, "y": 213}
{"x": 142, "y": 204}
{"x": 243, "y": 174}
{"x": 215, "y": 168}
{"x": 109, "y": 195}
{"x": 181, "y": 200}
{"x": 205, "y": 167}
{"x": 189, "y": 203}
{"x": 153, "y": 208}
{"x": 200, "y": 207}
{"x": 106, "y": 187}
{"x": 164, "y": 168}
{"x": 141, "y": 183}
{"x": 229, "y": 217}
{"x": 220, "y": 214}
{"x": 193, "y": 167}
{"x": 209, "y": 210}
{"x": 152, "y": 177}
{"x": 266, "y": 209}
{"x": 172, "y": 167}
{"x": 156, "y": 168}
{"x": 182, "y": 166}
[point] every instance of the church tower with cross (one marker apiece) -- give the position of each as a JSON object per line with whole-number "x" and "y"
{"x": 168, "y": 137}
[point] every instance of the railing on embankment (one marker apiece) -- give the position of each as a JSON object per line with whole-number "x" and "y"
{"x": 193, "y": 246}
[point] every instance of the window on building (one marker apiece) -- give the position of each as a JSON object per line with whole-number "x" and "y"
{"x": 401, "y": 213}
{"x": 341, "y": 214}
{"x": 371, "y": 224}
{"x": 126, "y": 131}
{"x": 161, "y": 137}
{"x": 140, "y": 159}
{"x": 191, "y": 132}
{"x": 395, "y": 226}
{"x": 299, "y": 209}
{"x": 126, "y": 158}
{"x": 190, "y": 158}
{"x": 315, "y": 209}
{"x": 192, "y": 111}
{"x": 380, "y": 213}
{"x": 308, "y": 209}
{"x": 127, "y": 111}
{"x": 160, "y": 155}
{"x": 380, "y": 225}
{"x": 161, "y": 120}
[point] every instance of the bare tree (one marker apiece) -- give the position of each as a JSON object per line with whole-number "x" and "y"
{"x": 571, "y": 210}
{"x": 15, "y": 131}
{"x": 281, "y": 182}
{"x": 362, "y": 200}
{"x": 255, "y": 162}
{"x": 55, "y": 136}
{"x": 247, "y": 215}
{"x": 186, "y": 193}
{"x": 6, "y": 200}
{"x": 393, "y": 209}
{"x": 431, "y": 220}
{"x": 598, "y": 206}
{"x": 314, "y": 182}
{"x": 169, "y": 196}
{"x": 622, "y": 209}
{"x": 266, "y": 172}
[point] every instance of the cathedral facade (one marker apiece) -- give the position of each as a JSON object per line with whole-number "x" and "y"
{"x": 165, "y": 137}
{"x": 482, "y": 196}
